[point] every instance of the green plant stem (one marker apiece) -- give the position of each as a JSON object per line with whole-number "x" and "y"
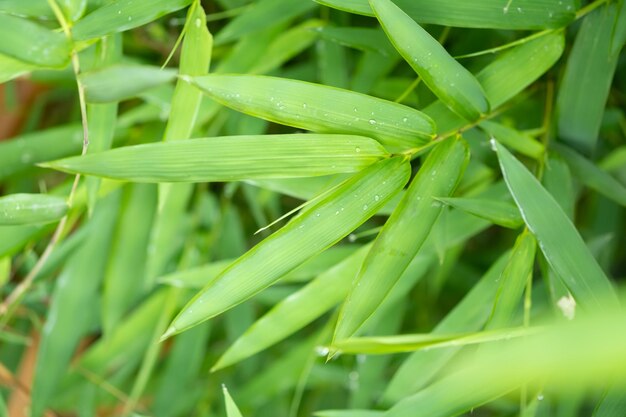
{"x": 8, "y": 306}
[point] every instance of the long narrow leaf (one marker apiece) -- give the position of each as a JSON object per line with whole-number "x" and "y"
{"x": 394, "y": 247}
{"x": 230, "y": 158}
{"x": 17, "y": 209}
{"x": 306, "y": 106}
{"x": 449, "y": 80}
{"x": 558, "y": 238}
{"x": 308, "y": 234}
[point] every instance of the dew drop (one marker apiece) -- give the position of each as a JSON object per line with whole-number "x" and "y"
{"x": 357, "y": 149}
{"x": 198, "y": 23}
{"x": 540, "y": 397}
{"x": 322, "y": 351}
{"x": 304, "y": 105}
{"x": 365, "y": 206}
{"x": 376, "y": 197}
{"x": 372, "y": 121}
{"x": 405, "y": 119}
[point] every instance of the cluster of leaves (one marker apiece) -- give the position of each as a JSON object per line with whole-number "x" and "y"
{"x": 459, "y": 181}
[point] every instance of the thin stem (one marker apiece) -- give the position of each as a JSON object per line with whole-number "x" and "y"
{"x": 589, "y": 8}
{"x": 8, "y": 305}
{"x": 507, "y": 45}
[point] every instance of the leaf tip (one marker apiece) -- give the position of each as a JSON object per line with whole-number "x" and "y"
{"x": 171, "y": 331}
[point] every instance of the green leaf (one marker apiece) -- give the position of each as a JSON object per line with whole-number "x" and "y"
{"x": 514, "y": 139}
{"x": 592, "y": 176}
{"x": 200, "y": 276}
{"x": 230, "y": 158}
{"x": 494, "y": 14}
{"x": 123, "y": 15}
{"x": 516, "y": 274}
{"x": 72, "y": 306}
{"x": 394, "y": 248}
{"x": 364, "y": 39}
{"x": 516, "y": 69}
{"x": 17, "y": 209}
{"x": 507, "y": 76}
{"x": 612, "y": 405}
{"x": 256, "y": 18}
{"x": 288, "y": 45}
{"x": 11, "y": 68}
{"x": 306, "y": 106}
{"x": 231, "y": 407}
{"x": 309, "y": 233}
{"x": 467, "y": 316}
{"x": 558, "y": 238}
{"x": 121, "y": 82}
{"x": 34, "y": 44}
{"x": 449, "y": 80}
{"x": 502, "y": 213}
{"x": 296, "y": 311}
{"x": 31, "y": 8}
{"x": 124, "y": 279}
{"x": 349, "y": 413}
{"x": 587, "y": 80}
{"x": 383, "y": 345}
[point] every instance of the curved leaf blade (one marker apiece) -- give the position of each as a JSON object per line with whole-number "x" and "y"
{"x": 229, "y": 158}
{"x": 394, "y": 248}
{"x": 121, "y": 82}
{"x": 449, "y": 80}
{"x": 493, "y": 14}
{"x": 307, "y": 106}
{"x": 502, "y": 213}
{"x": 123, "y": 15}
{"x": 558, "y": 238}
{"x": 32, "y": 43}
{"x": 18, "y": 209}
{"x": 308, "y": 234}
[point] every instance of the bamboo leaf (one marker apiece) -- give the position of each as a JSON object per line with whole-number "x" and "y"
{"x": 383, "y": 345}
{"x": 507, "y": 76}
{"x": 449, "y": 80}
{"x": 288, "y": 45}
{"x": 11, "y": 68}
{"x": 121, "y": 82}
{"x": 276, "y": 11}
{"x": 594, "y": 347}
{"x": 123, "y": 15}
{"x": 467, "y": 316}
{"x": 513, "y": 280}
{"x": 230, "y": 158}
{"x": 364, "y": 39}
{"x": 558, "y": 238}
{"x": 73, "y": 293}
{"x": 498, "y": 212}
{"x": 18, "y": 209}
{"x": 231, "y": 407}
{"x": 124, "y": 278}
{"x": 297, "y": 310}
{"x": 588, "y": 75}
{"x": 592, "y": 176}
{"x": 516, "y": 69}
{"x": 34, "y": 44}
{"x": 305, "y": 106}
{"x": 394, "y": 248}
{"x": 514, "y": 139}
{"x": 308, "y": 234}
{"x": 494, "y": 14}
